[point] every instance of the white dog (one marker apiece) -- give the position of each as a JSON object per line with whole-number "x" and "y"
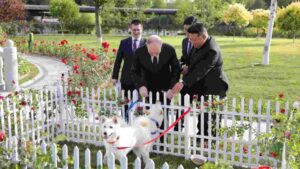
{"x": 145, "y": 128}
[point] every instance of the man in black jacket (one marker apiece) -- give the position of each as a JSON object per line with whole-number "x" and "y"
{"x": 205, "y": 75}
{"x": 126, "y": 52}
{"x": 155, "y": 68}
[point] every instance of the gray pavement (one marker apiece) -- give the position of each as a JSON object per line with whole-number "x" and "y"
{"x": 50, "y": 70}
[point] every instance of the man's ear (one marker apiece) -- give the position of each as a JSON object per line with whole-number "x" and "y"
{"x": 147, "y": 112}
{"x": 116, "y": 120}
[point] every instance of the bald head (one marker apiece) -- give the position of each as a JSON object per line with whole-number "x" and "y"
{"x": 154, "y": 44}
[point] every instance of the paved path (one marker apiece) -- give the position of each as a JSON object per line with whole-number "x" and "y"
{"x": 50, "y": 72}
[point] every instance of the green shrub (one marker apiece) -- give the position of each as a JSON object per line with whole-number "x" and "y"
{"x": 84, "y": 24}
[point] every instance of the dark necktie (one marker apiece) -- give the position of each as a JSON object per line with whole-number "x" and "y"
{"x": 155, "y": 64}
{"x": 134, "y": 45}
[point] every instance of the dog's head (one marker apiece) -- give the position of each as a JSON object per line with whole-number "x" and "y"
{"x": 109, "y": 127}
{"x": 156, "y": 112}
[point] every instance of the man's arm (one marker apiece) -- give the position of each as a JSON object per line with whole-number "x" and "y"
{"x": 175, "y": 69}
{"x": 201, "y": 69}
{"x": 118, "y": 62}
{"x": 137, "y": 73}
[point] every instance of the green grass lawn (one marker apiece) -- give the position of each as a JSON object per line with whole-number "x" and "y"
{"x": 27, "y": 70}
{"x": 246, "y": 78}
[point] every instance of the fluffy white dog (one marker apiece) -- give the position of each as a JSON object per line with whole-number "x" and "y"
{"x": 145, "y": 128}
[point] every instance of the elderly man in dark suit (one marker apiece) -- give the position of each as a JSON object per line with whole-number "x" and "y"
{"x": 155, "y": 68}
{"x": 205, "y": 75}
{"x": 126, "y": 52}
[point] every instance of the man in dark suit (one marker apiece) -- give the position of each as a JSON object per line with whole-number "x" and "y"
{"x": 186, "y": 45}
{"x": 205, "y": 75}
{"x": 155, "y": 68}
{"x": 126, "y": 52}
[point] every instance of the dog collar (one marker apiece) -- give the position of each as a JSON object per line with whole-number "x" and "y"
{"x": 113, "y": 142}
{"x": 155, "y": 121}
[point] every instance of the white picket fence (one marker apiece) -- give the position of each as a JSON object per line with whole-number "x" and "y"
{"x": 54, "y": 115}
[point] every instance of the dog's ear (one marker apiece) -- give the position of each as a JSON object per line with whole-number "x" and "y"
{"x": 147, "y": 112}
{"x": 103, "y": 119}
{"x": 116, "y": 120}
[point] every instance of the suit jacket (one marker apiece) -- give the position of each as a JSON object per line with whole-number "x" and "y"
{"x": 205, "y": 73}
{"x": 125, "y": 53}
{"x": 184, "y": 60}
{"x": 167, "y": 74}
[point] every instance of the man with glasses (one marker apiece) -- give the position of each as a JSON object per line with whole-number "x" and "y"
{"x": 126, "y": 52}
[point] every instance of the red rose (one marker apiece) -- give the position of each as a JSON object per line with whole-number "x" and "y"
{"x": 76, "y": 67}
{"x": 70, "y": 93}
{"x": 281, "y": 95}
{"x": 245, "y": 150}
{"x": 92, "y": 56}
{"x": 273, "y": 154}
{"x": 64, "y": 60}
{"x": 81, "y": 84}
{"x": 74, "y": 101}
{"x": 23, "y": 103}
{"x": 105, "y": 44}
{"x": 77, "y": 92}
{"x": 2, "y": 136}
{"x": 64, "y": 42}
{"x": 205, "y": 104}
{"x": 114, "y": 50}
{"x": 195, "y": 97}
{"x": 105, "y": 50}
{"x": 287, "y": 134}
{"x": 1, "y": 97}
{"x": 282, "y": 110}
{"x": 127, "y": 100}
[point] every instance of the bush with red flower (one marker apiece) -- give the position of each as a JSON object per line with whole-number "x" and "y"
{"x": 285, "y": 130}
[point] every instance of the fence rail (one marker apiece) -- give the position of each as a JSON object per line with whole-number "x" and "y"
{"x": 49, "y": 114}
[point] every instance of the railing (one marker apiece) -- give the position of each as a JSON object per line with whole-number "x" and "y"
{"x": 56, "y": 114}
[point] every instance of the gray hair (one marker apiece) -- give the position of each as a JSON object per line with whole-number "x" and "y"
{"x": 154, "y": 39}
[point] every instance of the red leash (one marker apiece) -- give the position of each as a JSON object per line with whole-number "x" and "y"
{"x": 163, "y": 133}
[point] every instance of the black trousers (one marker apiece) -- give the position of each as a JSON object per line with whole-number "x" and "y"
{"x": 198, "y": 95}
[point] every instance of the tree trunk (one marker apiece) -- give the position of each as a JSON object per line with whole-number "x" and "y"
{"x": 98, "y": 26}
{"x": 266, "y": 51}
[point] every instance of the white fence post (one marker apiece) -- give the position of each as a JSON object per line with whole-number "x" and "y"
{"x": 65, "y": 156}
{"x": 87, "y": 159}
{"x": 54, "y": 154}
{"x": 2, "y": 84}
{"x": 137, "y": 163}
{"x": 76, "y": 158}
{"x": 99, "y": 160}
{"x": 165, "y": 166}
{"x": 10, "y": 67}
{"x": 111, "y": 161}
{"x": 186, "y": 128}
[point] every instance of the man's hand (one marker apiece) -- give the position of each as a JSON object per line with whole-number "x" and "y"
{"x": 177, "y": 88}
{"x": 169, "y": 94}
{"x": 143, "y": 91}
{"x": 184, "y": 69}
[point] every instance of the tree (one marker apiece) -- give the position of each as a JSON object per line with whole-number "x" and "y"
{"x": 281, "y": 3}
{"x": 158, "y": 4}
{"x": 11, "y": 10}
{"x": 65, "y": 10}
{"x": 185, "y": 8}
{"x": 209, "y": 11}
{"x": 236, "y": 16}
{"x": 289, "y": 19}
{"x": 266, "y": 51}
{"x": 260, "y": 19}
